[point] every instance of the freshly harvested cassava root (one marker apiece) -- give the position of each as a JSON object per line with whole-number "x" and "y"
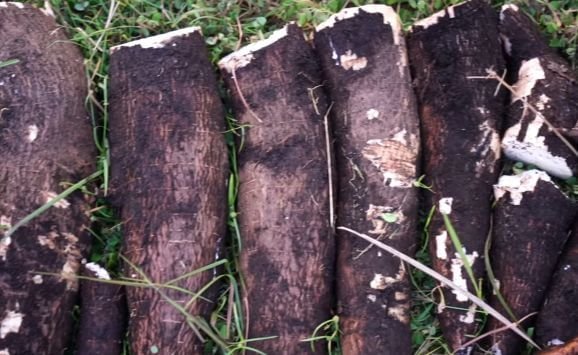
{"x": 169, "y": 171}
{"x": 532, "y": 219}
{"x": 45, "y": 145}
{"x": 376, "y": 132}
{"x": 545, "y": 92}
{"x": 284, "y": 196}
{"x": 557, "y": 321}
{"x": 460, "y": 119}
{"x": 102, "y": 313}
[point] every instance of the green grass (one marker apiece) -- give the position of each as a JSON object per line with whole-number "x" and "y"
{"x": 97, "y": 25}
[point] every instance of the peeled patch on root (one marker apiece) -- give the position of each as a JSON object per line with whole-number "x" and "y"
{"x": 49, "y": 196}
{"x": 32, "y": 133}
{"x": 399, "y": 313}
{"x": 445, "y": 205}
{"x": 5, "y": 224}
{"x": 532, "y": 149}
{"x": 470, "y": 316}
{"x": 349, "y": 60}
{"x": 372, "y": 114}
{"x": 11, "y": 323}
{"x": 530, "y": 72}
{"x": 381, "y": 282}
{"x": 458, "y": 275}
{"x": 517, "y": 185}
{"x": 393, "y": 159}
{"x": 98, "y": 271}
{"x": 441, "y": 245}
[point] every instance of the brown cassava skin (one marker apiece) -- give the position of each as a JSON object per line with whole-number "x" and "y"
{"x": 288, "y": 248}
{"x": 559, "y": 313}
{"x": 526, "y": 243}
{"x": 45, "y": 142}
{"x": 554, "y": 95}
{"x": 460, "y": 122}
{"x": 169, "y": 171}
{"x": 364, "y": 75}
{"x": 103, "y": 316}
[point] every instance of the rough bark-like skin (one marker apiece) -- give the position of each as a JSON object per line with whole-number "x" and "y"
{"x": 554, "y": 94}
{"x": 288, "y": 248}
{"x": 460, "y": 121}
{"x": 45, "y": 141}
{"x": 570, "y": 348}
{"x": 374, "y": 316}
{"x": 527, "y": 240}
{"x": 558, "y": 318}
{"x": 103, "y": 317}
{"x": 169, "y": 170}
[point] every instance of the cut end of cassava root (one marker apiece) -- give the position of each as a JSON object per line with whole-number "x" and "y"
{"x": 390, "y": 18}
{"x": 244, "y": 56}
{"x": 159, "y": 41}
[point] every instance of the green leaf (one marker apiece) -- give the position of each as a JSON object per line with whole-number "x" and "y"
{"x": 81, "y": 6}
{"x": 389, "y": 217}
{"x": 9, "y": 62}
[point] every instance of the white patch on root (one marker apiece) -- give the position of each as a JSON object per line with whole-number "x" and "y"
{"x": 469, "y": 317}
{"x": 13, "y": 3}
{"x": 445, "y": 205}
{"x": 434, "y": 19}
{"x": 530, "y": 72}
{"x": 244, "y": 56}
{"x": 159, "y": 41}
{"x": 47, "y": 10}
{"x": 555, "y": 342}
{"x": 507, "y": 44}
{"x": 37, "y": 279}
{"x": 490, "y": 140}
{"x": 372, "y": 114}
{"x": 457, "y": 274}
{"x": 533, "y": 150}
{"x": 381, "y": 282}
{"x": 98, "y": 271}
{"x": 399, "y": 313}
{"x": 49, "y": 196}
{"x": 507, "y": 7}
{"x": 400, "y": 137}
{"x": 542, "y": 102}
{"x": 567, "y": 267}
{"x": 390, "y": 18}
{"x": 517, "y": 185}
{"x": 32, "y": 133}
{"x": 441, "y": 245}
{"x": 11, "y": 323}
{"x": 4, "y": 352}
{"x": 372, "y": 298}
{"x": 350, "y": 60}
{"x": 4, "y": 244}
